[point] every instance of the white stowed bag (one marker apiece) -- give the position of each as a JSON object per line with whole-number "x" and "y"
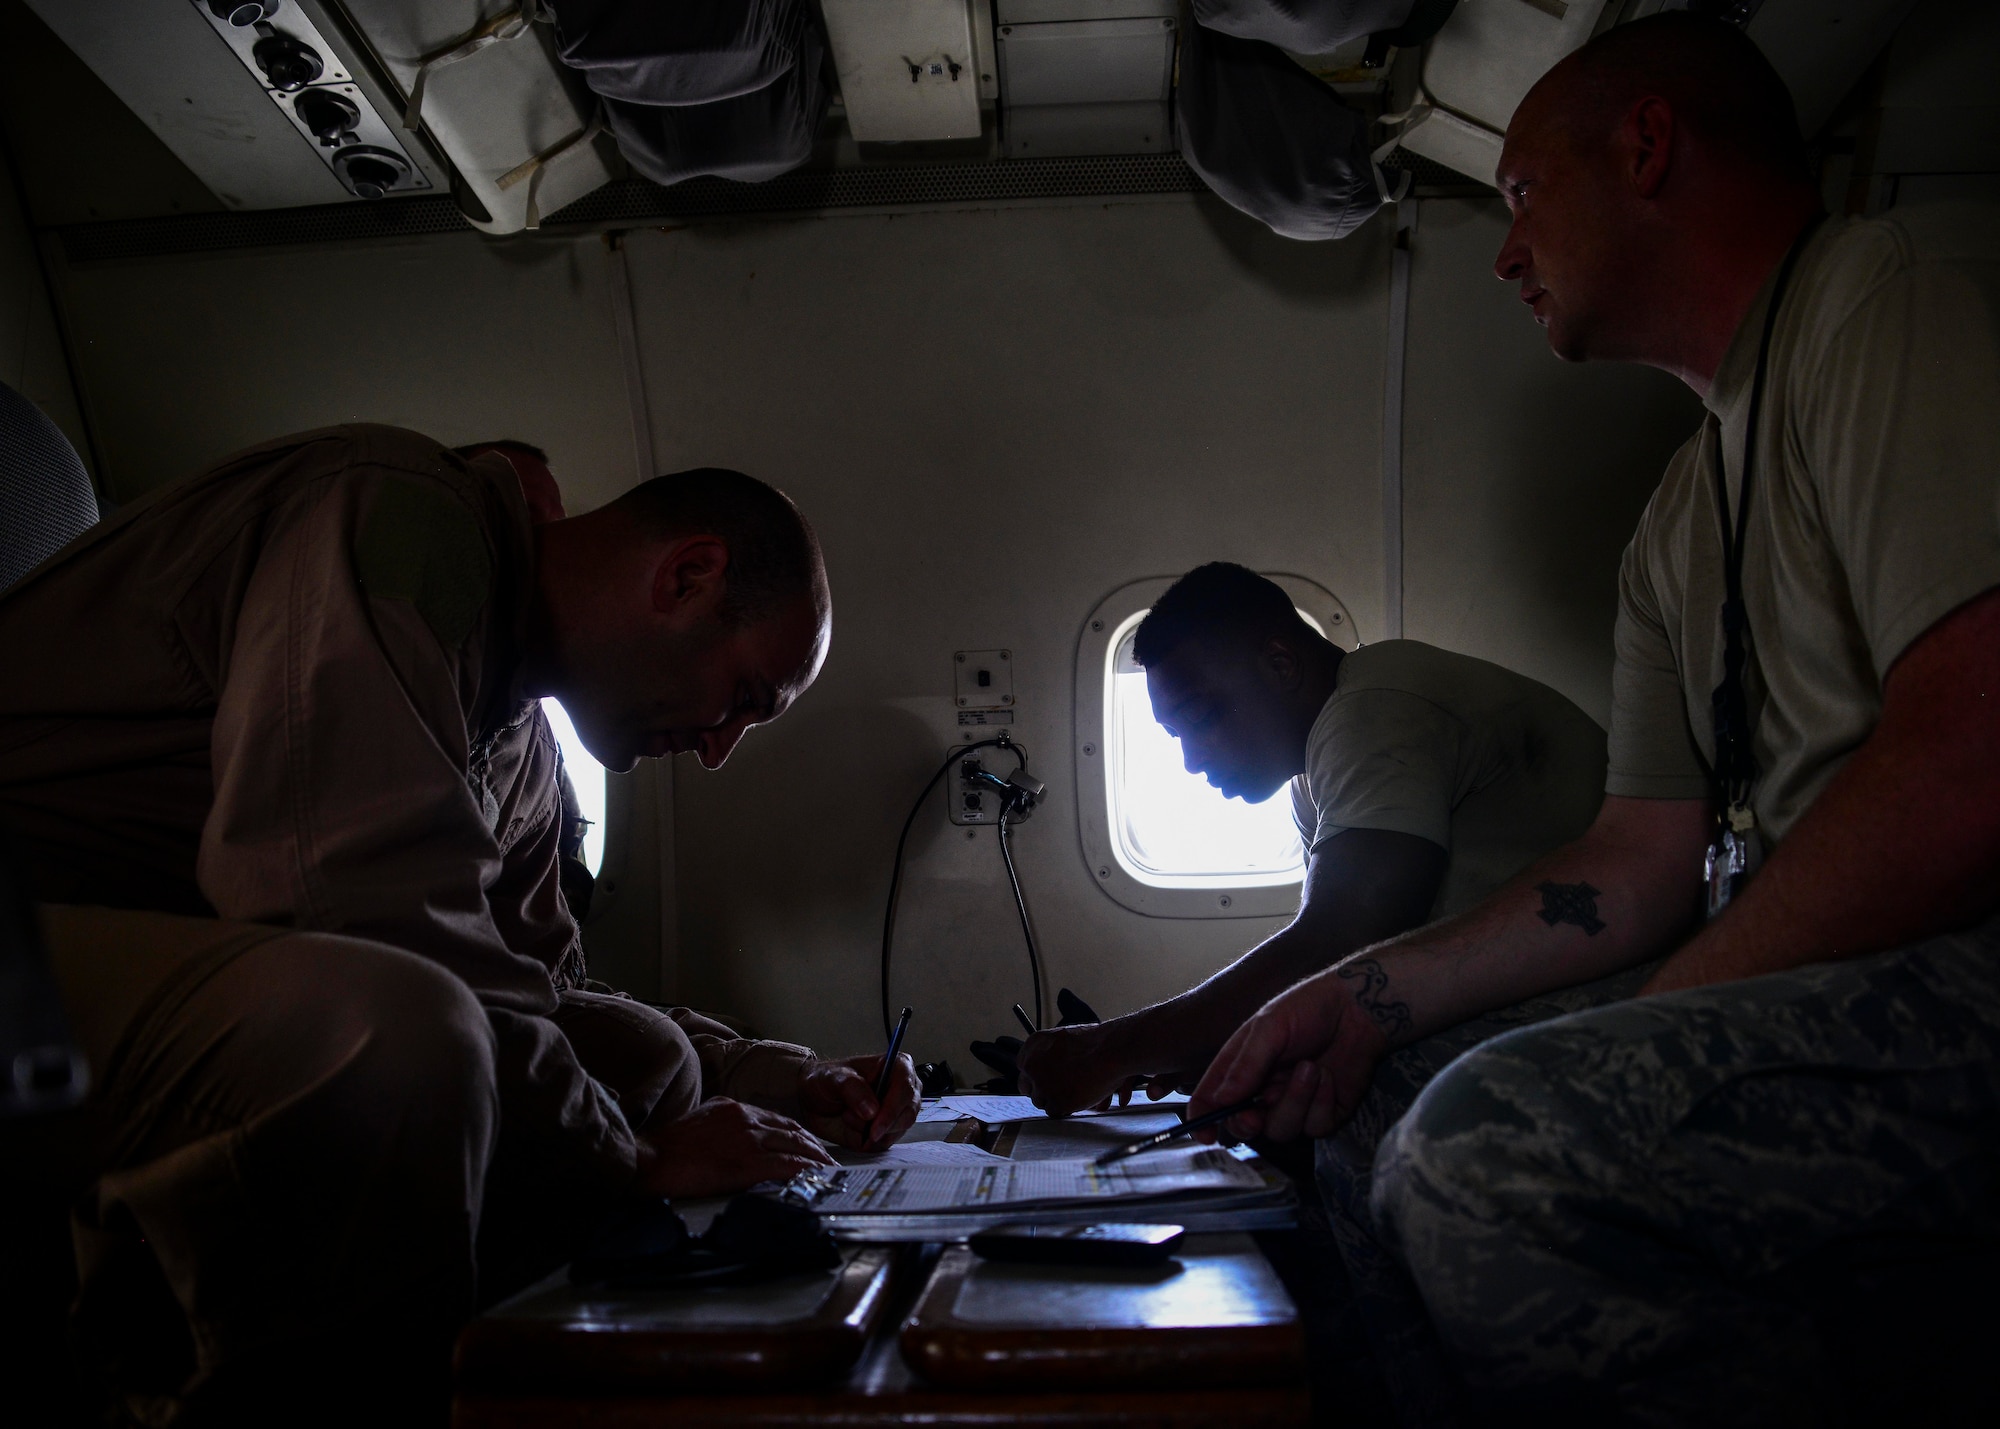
{"x": 484, "y": 82}
{"x": 1479, "y": 66}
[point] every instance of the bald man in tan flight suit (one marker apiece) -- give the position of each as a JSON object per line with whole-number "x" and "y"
{"x": 273, "y": 743}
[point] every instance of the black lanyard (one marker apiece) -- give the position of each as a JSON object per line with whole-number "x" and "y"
{"x": 1735, "y": 763}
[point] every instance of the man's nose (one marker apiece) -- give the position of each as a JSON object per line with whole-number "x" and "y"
{"x": 717, "y": 743}
{"x": 1512, "y": 263}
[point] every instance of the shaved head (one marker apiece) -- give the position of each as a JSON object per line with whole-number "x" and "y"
{"x": 1725, "y": 94}
{"x": 1655, "y": 178}
{"x": 774, "y": 555}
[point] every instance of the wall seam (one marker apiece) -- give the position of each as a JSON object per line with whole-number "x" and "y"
{"x": 625, "y": 320}
{"x": 1392, "y": 421}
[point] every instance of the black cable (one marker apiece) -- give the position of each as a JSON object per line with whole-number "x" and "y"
{"x": 1004, "y": 741}
{"x": 1021, "y": 907}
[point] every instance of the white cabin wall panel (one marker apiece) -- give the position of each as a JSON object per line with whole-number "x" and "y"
{"x": 1523, "y": 476}
{"x": 195, "y": 356}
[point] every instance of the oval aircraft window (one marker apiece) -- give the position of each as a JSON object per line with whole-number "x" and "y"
{"x": 586, "y": 775}
{"x": 1160, "y": 840}
{"x": 1172, "y": 828}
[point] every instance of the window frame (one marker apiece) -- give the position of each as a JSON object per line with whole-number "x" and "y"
{"x": 1095, "y": 646}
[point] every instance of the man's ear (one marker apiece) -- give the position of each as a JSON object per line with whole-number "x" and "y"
{"x": 1282, "y": 664}
{"x": 1647, "y": 137}
{"x": 690, "y": 576}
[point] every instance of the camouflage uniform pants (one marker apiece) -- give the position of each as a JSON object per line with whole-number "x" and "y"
{"x": 1773, "y": 1201}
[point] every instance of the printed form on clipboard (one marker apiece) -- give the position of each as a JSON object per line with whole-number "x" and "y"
{"x": 902, "y": 1190}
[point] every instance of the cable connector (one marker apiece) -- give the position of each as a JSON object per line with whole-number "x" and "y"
{"x": 1022, "y": 792}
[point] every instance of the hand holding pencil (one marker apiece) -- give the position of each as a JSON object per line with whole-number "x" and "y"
{"x": 863, "y": 1102}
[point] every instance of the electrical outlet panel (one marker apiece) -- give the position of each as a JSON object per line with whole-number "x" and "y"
{"x": 983, "y": 698}
{"x": 967, "y": 803}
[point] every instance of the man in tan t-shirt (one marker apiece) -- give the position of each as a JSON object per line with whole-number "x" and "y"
{"x": 1764, "y": 1191}
{"x": 1421, "y": 780}
{"x": 289, "y": 800}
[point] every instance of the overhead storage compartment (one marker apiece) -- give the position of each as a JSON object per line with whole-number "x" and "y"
{"x": 1477, "y": 69}
{"x": 484, "y": 82}
{"x": 732, "y": 89}
{"x": 1085, "y": 76}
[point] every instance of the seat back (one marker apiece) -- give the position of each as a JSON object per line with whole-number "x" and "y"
{"x": 46, "y": 500}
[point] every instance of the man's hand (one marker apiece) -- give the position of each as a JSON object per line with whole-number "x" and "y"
{"x": 838, "y": 1098}
{"x": 724, "y": 1146}
{"x": 1309, "y": 1054}
{"x": 1069, "y": 1069}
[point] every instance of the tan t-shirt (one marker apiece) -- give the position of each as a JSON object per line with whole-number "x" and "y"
{"x": 1875, "y": 510}
{"x": 1491, "y": 766}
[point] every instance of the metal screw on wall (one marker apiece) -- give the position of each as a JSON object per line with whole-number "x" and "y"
{"x": 1223, "y": 900}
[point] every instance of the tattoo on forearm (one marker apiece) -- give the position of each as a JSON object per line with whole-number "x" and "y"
{"x": 1391, "y": 1016}
{"x": 1570, "y": 903}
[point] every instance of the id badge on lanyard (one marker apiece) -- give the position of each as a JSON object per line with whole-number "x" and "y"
{"x": 1734, "y": 850}
{"x": 1733, "y": 856}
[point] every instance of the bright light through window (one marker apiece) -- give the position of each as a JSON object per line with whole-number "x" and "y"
{"x": 588, "y": 777}
{"x": 1170, "y": 828}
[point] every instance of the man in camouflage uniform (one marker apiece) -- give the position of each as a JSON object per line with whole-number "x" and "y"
{"x": 1766, "y": 1188}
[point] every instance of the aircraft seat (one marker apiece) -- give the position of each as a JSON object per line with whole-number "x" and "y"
{"x": 46, "y": 500}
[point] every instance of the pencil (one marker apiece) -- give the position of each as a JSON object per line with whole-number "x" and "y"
{"x": 889, "y": 1057}
{"x": 1186, "y": 1128}
{"x": 1027, "y": 1023}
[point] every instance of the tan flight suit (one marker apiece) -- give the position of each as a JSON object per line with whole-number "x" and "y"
{"x": 296, "y": 826}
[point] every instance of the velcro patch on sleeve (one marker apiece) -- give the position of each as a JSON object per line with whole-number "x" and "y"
{"x": 420, "y": 544}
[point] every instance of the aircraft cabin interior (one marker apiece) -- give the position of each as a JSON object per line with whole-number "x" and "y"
{"x": 962, "y": 712}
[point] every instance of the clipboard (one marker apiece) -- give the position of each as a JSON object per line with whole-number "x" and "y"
{"x": 1214, "y": 1316}
{"x": 796, "y": 1332}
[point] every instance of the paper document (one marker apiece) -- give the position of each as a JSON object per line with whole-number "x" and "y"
{"x": 920, "y": 1153}
{"x": 902, "y": 1189}
{"x": 936, "y": 1111}
{"x": 995, "y": 1109}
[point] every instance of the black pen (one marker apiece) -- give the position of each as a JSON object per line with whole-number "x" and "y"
{"x": 889, "y": 1057}
{"x": 1026, "y": 1021}
{"x": 1186, "y": 1128}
